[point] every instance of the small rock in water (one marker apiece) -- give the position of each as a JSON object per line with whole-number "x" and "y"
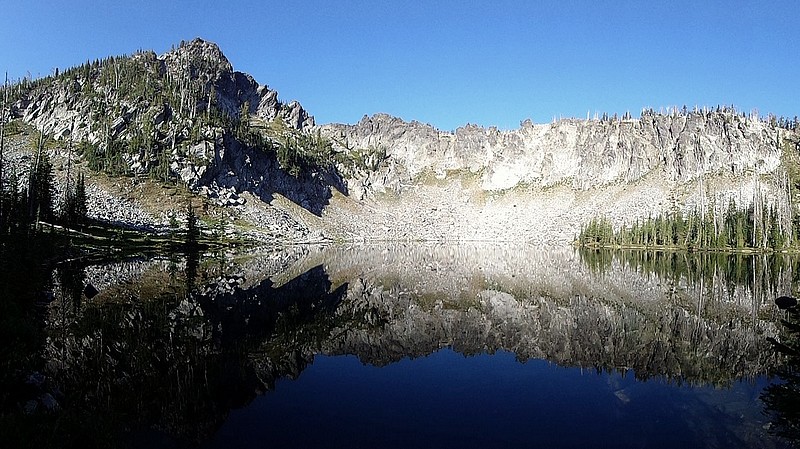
{"x": 90, "y": 291}
{"x": 622, "y": 396}
{"x": 785, "y": 302}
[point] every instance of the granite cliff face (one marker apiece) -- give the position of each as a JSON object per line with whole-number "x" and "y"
{"x": 542, "y": 181}
{"x": 204, "y": 61}
{"x": 188, "y": 115}
{"x": 582, "y": 154}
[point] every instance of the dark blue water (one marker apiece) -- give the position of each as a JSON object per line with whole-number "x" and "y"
{"x": 447, "y": 400}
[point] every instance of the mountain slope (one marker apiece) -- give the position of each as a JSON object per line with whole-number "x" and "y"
{"x": 542, "y": 182}
{"x": 187, "y": 116}
{"x": 183, "y": 117}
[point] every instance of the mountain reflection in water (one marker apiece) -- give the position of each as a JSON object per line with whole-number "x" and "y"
{"x": 638, "y": 350}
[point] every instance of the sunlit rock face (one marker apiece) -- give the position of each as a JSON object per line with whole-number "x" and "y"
{"x": 542, "y": 182}
{"x": 579, "y": 153}
{"x": 66, "y": 107}
{"x": 165, "y": 109}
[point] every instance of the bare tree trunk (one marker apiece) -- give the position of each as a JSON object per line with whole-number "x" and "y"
{"x": 208, "y": 107}
{"x": 788, "y": 214}
{"x": 116, "y": 76}
{"x": 3, "y": 142}
{"x": 69, "y": 161}
{"x": 31, "y": 199}
{"x": 757, "y": 222}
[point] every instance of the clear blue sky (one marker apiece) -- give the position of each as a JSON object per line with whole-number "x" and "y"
{"x": 447, "y": 63}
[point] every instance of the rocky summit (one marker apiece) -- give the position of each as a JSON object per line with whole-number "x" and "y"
{"x": 187, "y": 118}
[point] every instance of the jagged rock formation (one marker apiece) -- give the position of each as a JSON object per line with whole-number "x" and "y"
{"x": 580, "y": 153}
{"x": 204, "y": 61}
{"x": 173, "y": 114}
{"x": 542, "y": 181}
{"x": 65, "y": 106}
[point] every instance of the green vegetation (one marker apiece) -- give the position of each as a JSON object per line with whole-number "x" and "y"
{"x": 192, "y": 227}
{"x": 353, "y": 160}
{"x": 23, "y": 206}
{"x": 300, "y": 152}
{"x": 75, "y": 209}
{"x": 31, "y": 227}
{"x": 754, "y": 229}
{"x": 756, "y": 226}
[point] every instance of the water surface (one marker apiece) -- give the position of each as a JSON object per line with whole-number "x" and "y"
{"x": 416, "y": 345}
{"x": 447, "y": 400}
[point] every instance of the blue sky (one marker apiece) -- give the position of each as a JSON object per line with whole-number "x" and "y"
{"x": 447, "y": 63}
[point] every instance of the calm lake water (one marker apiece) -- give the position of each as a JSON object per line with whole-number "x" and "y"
{"x": 415, "y": 345}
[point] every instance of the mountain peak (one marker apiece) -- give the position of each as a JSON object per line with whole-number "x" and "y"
{"x": 198, "y": 57}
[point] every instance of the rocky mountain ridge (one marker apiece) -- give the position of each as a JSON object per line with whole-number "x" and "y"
{"x": 62, "y": 106}
{"x": 580, "y": 153}
{"x": 188, "y": 116}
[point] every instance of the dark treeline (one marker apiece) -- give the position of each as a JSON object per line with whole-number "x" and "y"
{"x": 752, "y": 228}
{"x": 27, "y": 252}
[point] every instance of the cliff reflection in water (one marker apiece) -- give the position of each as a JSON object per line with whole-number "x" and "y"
{"x": 174, "y": 346}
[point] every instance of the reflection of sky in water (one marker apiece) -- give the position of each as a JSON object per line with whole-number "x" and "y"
{"x": 448, "y": 400}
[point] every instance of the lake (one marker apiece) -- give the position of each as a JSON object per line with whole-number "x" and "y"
{"x": 409, "y": 345}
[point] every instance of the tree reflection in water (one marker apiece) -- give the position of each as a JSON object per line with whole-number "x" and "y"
{"x": 782, "y": 399}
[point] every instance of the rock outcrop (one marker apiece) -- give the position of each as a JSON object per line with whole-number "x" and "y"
{"x": 204, "y": 61}
{"x": 64, "y": 106}
{"x": 582, "y": 154}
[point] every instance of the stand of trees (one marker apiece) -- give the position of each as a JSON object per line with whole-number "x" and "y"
{"x": 25, "y": 204}
{"x": 752, "y": 228}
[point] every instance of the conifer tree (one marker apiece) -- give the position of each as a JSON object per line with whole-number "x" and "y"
{"x": 81, "y": 207}
{"x": 41, "y": 189}
{"x": 192, "y": 228}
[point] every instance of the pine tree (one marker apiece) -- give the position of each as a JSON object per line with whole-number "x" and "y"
{"x": 192, "y": 228}
{"x": 74, "y": 209}
{"x": 776, "y": 238}
{"x": 81, "y": 206}
{"x": 740, "y": 230}
{"x": 41, "y": 189}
